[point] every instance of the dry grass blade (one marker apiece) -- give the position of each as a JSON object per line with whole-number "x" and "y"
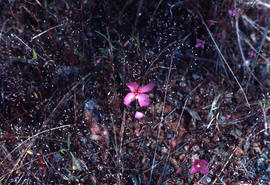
{"x": 160, "y": 123}
{"x": 40, "y": 34}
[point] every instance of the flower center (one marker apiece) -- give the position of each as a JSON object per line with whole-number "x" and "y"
{"x": 198, "y": 166}
{"x": 136, "y": 93}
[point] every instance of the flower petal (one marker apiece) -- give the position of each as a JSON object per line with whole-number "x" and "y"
{"x": 203, "y": 162}
{"x": 129, "y": 98}
{"x": 139, "y": 115}
{"x": 133, "y": 86}
{"x": 196, "y": 162}
{"x": 146, "y": 88}
{"x": 193, "y": 169}
{"x": 143, "y": 100}
{"x": 204, "y": 170}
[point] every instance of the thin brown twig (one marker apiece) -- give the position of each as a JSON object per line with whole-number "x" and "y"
{"x": 117, "y": 151}
{"x": 27, "y": 46}
{"x": 122, "y": 133}
{"x": 239, "y": 39}
{"x": 40, "y": 34}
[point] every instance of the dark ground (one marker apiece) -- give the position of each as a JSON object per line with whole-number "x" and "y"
{"x": 63, "y": 69}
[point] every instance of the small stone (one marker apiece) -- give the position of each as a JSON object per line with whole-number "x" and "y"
{"x": 167, "y": 109}
{"x": 164, "y": 150}
{"x": 182, "y": 157}
{"x": 257, "y": 150}
{"x": 202, "y": 91}
{"x": 90, "y": 105}
{"x": 158, "y": 108}
{"x": 239, "y": 151}
{"x": 268, "y": 169}
{"x": 186, "y": 148}
{"x": 169, "y": 135}
{"x": 238, "y": 132}
{"x": 195, "y": 156}
{"x": 207, "y": 179}
{"x": 177, "y": 54}
{"x": 195, "y": 148}
{"x": 180, "y": 95}
{"x": 83, "y": 140}
{"x": 261, "y": 165}
{"x": 195, "y": 76}
{"x": 183, "y": 78}
{"x": 58, "y": 158}
{"x": 182, "y": 84}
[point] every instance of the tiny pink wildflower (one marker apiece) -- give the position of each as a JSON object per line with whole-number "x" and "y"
{"x": 138, "y": 93}
{"x": 211, "y": 22}
{"x": 126, "y": 43}
{"x": 178, "y": 171}
{"x": 139, "y": 115}
{"x": 199, "y": 166}
{"x": 173, "y": 144}
{"x": 199, "y": 43}
{"x": 233, "y": 12}
{"x": 219, "y": 35}
{"x": 228, "y": 116}
{"x": 251, "y": 54}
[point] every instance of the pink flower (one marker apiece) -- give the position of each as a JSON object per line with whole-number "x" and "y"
{"x": 178, "y": 171}
{"x": 228, "y": 116}
{"x": 219, "y": 35}
{"x": 199, "y": 166}
{"x": 139, "y": 115}
{"x": 233, "y": 12}
{"x": 251, "y": 54}
{"x": 138, "y": 93}
{"x": 211, "y": 22}
{"x": 199, "y": 43}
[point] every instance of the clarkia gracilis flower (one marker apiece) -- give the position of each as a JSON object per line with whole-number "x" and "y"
{"x": 233, "y": 12}
{"x": 211, "y": 22}
{"x": 199, "y": 43}
{"x": 251, "y": 54}
{"x": 199, "y": 166}
{"x": 139, "y": 115}
{"x": 138, "y": 93}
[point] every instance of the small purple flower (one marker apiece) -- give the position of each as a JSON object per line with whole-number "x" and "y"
{"x": 211, "y": 22}
{"x": 138, "y": 93}
{"x": 228, "y": 116}
{"x": 199, "y": 43}
{"x": 233, "y": 12}
{"x": 251, "y": 54}
{"x": 139, "y": 115}
{"x": 200, "y": 166}
{"x": 219, "y": 35}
